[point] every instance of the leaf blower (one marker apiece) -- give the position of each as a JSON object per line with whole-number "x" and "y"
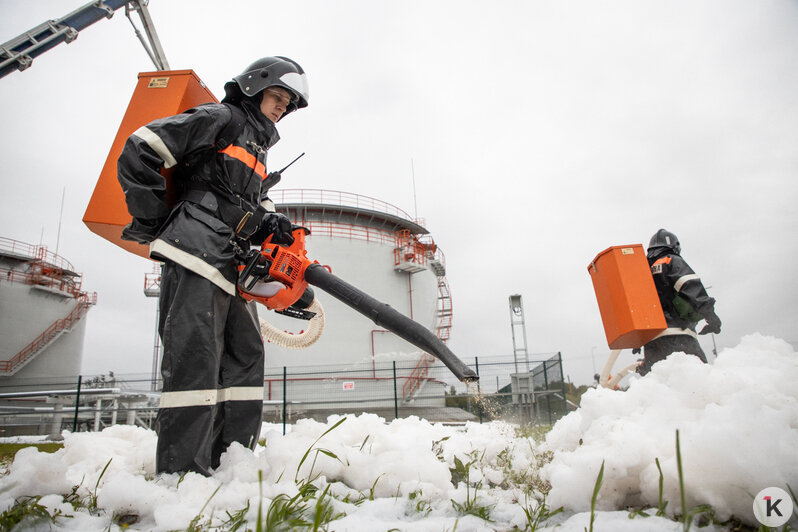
{"x": 278, "y": 277}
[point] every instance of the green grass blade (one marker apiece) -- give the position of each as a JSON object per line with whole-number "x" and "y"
{"x": 685, "y": 522}
{"x": 307, "y": 453}
{"x": 661, "y": 506}
{"x": 596, "y": 489}
{"x": 259, "y": 525}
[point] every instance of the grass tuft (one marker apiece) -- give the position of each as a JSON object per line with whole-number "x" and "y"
{"x": 538, "y": 515}
{"x": 461, "y": 472}
{"x": 26, "y": 514}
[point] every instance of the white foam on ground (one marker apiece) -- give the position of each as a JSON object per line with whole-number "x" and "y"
{"x": 737, "y": 419}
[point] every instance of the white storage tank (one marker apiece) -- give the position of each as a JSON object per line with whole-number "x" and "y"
{"x": 43, "y": 309}
{"x": 381, "y": 250}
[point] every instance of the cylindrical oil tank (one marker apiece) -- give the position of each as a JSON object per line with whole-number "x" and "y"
{"x": 379, "y": 249}
{"x": 43, "y": 310}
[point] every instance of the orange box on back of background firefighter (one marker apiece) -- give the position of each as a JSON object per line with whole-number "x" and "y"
{"x": 157, "y": 94}
{"x": 626, "y": 295}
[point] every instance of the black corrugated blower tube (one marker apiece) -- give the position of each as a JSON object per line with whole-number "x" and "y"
{"x": 386, "y": 316}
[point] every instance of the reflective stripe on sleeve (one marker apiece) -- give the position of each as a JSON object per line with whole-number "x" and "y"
{"x": 158, "y": 146}
{"x": 683, "y": 279}
{"x": 671, "y": 331}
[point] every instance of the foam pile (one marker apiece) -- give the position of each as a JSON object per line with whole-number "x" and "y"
{"x": 737, "y": 421}
{"x": 738, "y": 431}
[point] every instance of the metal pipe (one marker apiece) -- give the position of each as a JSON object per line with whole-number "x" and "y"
{"x": 47, "y": 393}
{"x": 386, "y": 316}
{"x": 157, "y": 50}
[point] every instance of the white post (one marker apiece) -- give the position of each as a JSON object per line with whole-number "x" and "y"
{"x": 98, "y": 406}
{"x": 115, "y": 409}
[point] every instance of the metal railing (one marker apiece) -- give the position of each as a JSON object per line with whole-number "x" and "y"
{"x": 348, "y": 231}
{"x": 335, "y": 197}
{"x": 32, "y": 252}
{"x": 42, "y": 269}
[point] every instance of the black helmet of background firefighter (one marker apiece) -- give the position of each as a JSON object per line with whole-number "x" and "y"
{"x": 664, "y": 239}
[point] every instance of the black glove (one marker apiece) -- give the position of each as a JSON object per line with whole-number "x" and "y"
{"x": 713, "y": 324}
{"x": 636, "y": 351}
{"x": 141, "y": 231}
{"x": 275, "y": 224}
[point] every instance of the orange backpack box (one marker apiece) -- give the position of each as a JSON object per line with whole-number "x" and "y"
{"x": 157, "y": 95}
{"x": 627, "y": 298}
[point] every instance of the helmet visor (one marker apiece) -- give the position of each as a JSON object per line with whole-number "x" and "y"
{"x": 298, "y": 83}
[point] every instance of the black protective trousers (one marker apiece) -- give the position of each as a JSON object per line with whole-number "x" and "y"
{"x": 212, "y": 373}
{"x": 662, "y": 347}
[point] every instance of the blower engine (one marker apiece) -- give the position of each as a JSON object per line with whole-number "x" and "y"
{"x": 278, "y": 277}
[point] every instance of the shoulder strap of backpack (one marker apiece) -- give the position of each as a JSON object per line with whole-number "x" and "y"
{"x": 233, "y": 128}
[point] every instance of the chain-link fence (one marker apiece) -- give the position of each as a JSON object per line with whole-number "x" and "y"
{"x": 529, "y": 392}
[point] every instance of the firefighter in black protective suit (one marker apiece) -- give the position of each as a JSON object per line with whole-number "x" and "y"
{"x": 684, "y": 302}
{"x": 213, "y": 354}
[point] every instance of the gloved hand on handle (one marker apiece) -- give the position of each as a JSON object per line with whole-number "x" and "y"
{"x": 276, "y": 224}
{"x": 713, "y": 323}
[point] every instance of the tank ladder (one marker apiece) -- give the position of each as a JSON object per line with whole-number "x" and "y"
{"x": 50, "y": 335}
{"x": 418, "y": 377}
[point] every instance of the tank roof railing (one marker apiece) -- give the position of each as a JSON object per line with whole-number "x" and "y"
{"x": 335, "y": 197}
{"x": 35, "y": 253}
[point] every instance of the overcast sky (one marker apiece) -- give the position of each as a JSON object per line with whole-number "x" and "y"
{"x": 540, "y": 133}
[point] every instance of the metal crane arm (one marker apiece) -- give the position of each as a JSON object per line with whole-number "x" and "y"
{"x": 19, "y": 52}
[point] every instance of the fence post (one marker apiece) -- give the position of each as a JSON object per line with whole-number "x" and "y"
{"x": 546, "y": 381}
{"x": 77, "y": 404}
{"x": 479, "y": 390}
{"x": 285, "y": 397}
{"x": 395, "y": 394}
{"x": 562, "y": 379}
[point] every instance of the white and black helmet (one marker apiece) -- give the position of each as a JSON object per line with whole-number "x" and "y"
{"x": 277, "y": 71}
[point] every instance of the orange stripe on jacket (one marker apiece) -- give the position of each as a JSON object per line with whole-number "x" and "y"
{"x": 663, "y": 260}
{"x": 240, "y": 154}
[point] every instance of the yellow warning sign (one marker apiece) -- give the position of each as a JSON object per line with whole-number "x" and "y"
{"x": 158, "y": 83}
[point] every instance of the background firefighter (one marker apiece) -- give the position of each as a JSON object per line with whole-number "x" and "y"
{"x": 684, "y": 301}
{"x": 213, "y": 352}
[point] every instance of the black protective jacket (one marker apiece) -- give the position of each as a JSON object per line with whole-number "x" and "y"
{"x": 682, "y": 295}
{"x": 195, "y": 233}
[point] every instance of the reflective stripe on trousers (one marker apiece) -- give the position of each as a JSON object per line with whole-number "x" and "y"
{"x": 210, "y": 397}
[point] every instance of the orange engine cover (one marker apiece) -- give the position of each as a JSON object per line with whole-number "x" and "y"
{"x": 157, "y": 94}
{"x": 627, "y": 298}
